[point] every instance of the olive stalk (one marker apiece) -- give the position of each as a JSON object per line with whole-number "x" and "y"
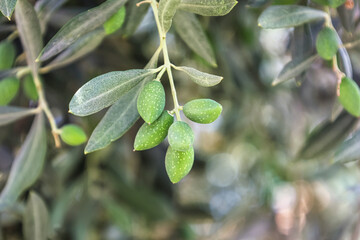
{"x": 167, "y": 62}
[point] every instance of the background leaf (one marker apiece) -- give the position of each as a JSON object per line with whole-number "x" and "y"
{"x": 167, "y": 10}
{"x": 201, "y": 78}
{"x": 77, "y": 50}
{"x": 80, "y": 25}
{"x": 288, "y": 16}
{"x": 104, "y": 90}
{"x": 44, "y": 10}
{"x": 134, "y": 16}
{"x": 10, "y": 114}
{"x": 7, "y": 7}
{"x": 349, "y": 150}
{"x": 36, "y": 219}
{"x": 191, "y": 32}
{"x": 208, "y": 7}
{"x": 29, "y": 31}
{"x": 294, "y": 68}
{"x": 27, "y": 165}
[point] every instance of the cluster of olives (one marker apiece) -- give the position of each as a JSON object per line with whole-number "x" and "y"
{"x": 160, "y": 123}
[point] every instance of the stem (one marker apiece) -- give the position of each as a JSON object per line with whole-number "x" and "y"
{"x": 167, "y": 62}
{"x": 12, "y": 36}
{"x": 161, "y": 73}
{"x": 44, "y": 106}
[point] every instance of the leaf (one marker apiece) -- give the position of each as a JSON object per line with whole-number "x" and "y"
{"x": 104, "y": 90}
{"x": 350, "y": 96}
{"x": 328, "y": 135}
{"x": 294, "y": 68}
{"x": 123, "y": 111}
{"x": 36, "y": 219}
{"x": 349, "y": 150}
{"x": 7, "y": 7}
{"x": 201, "y": 78}
{"x": 285, "y": 16}
{"x": 80, "y": 25}
{"x": 29, "y": 31}
{"x": 208, "y": 7}
{"x": 27, "y": 165}
{"x": 117, "y": 121}
{"x": 191, "y": 32}
{"x": 77, "y": 50}
{"x": 167, "y": 10}
{"x": 134, "y": 16}
{"x": 118, "y": 214}
{"x": 11, "y": 114}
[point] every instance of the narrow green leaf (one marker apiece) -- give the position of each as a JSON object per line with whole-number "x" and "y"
{"x": 327, "y": 136}
{"x": 7, "y": 55}
{"x": 29, "y": 31}
{"x": 80, "y": 25}
{"x": 104, "y": 90}
{"x": 294, "y": 68}
{"x": 36, "y": 219}
{"x": 7, "y": 7}
{"x": 167, "y": 10}
{"x": 350, "y": 96}
{"x": 201, "y": 78}
{"x": 115, "y": 22}
{"x": 117, "y": 121}
{"x": 11, "y": 114}
{"x": 77, "y": 50}
{"x": 27, "y": 165}
{"x": 349, "y": 150}
{"x": 285, "y": 16}
{"x": 134, "y": 16}
{"x": 208, "y": 7}
{"x": 8, "y": 90}
{"x": 191, "y": 32}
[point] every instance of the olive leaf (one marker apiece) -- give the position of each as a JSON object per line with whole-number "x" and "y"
{"x": 167, "y": 10}
{"x": 191, "y": 32}
{"x": 78, "y": 26}
{"x": 294, "y": 68}
{"x": 36, "y": 219}
{"x": 285, "y": 16}
{"x": 29, "y": 31}
{"x": 27, "y": 165}
{"x": 7, "y": 7}
{"x": 328, "y": 135}
{"x": 208, "y": 7}
{"x": 104, "y": 90}
{"x": 120, "y": 117}
{"x": 201, "y": 78}
{"x": 349, "y": 150}
{"x": 134, "y": 16}
{"x": 77, "y": 50}
{"x": 11, "y": 114}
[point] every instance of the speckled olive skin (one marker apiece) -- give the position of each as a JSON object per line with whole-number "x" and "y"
{"x": 202, "y": 110}
{"x": 178, "y": 163}
{"x": 181, "y": 136}
{"x": 152, "y": 135}
{"x": 151, "y": 101}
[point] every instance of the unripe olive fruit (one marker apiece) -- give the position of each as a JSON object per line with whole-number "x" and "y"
{"x": 73, "y": 135}
{"x": 350, "y": 96}
{"x": 202, "y": 110}
{"x": 178, "y": 163}
{"x": 152, "y": 135}
{"x": 7, "y": 55}
{"x": 151, "y": 101}
{"x": 8, "y": 90}
{"x": 180, "y": 136}
{"x": 30, "y": 88}
{"x": 327, "y": 43}
{"x": 115, "y": 22}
